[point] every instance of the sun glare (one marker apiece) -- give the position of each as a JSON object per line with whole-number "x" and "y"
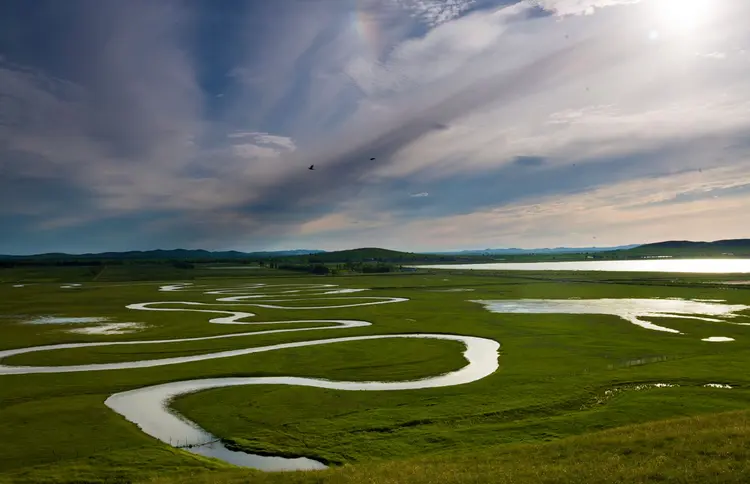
{"x": 683, "y": 16}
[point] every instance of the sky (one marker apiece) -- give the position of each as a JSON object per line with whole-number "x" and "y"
{"x": 144, "y": 124}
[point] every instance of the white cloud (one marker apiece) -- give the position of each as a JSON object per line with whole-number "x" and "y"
{"x": 282, "y": 142}
{"x": 590, "y": 89}
{"x": 581, "y": 91}
{"x": 419, "y": 195}
{"x": 253, "y": 151}
{"x": 261, "y": 145}
{"x": 576, "y": 7}
{"x": 712, "y": 55}
{"x": 241, "y": 134}
{"x": 440, "y": 54}
{"x": 436, "y": 12}
{"x": 573, "y": 89}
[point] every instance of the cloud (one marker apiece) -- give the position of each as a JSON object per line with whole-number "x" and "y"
{"x": 252, "y": 145}
{"x": 190, "y": 124}
{"x": 576, "y": 7}
{"x": 530, "y": 161}
{"x": 607, "y": 215}
{"x": 436, "y": 12}
{"x": 713, "y": 55}
{"x": 283, "y": 142}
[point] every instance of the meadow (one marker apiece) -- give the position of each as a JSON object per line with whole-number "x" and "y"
{"x": 576, "y": 397}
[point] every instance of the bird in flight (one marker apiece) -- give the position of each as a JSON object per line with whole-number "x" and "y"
{"x": 312, "y": 167}
{"x": 372, "y": 159}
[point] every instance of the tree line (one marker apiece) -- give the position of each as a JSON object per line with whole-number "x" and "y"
{"x": 332, "y": 269}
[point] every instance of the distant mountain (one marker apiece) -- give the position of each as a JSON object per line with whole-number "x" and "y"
{"x": 554, "y": 250}
{"x": 160, "y": 254}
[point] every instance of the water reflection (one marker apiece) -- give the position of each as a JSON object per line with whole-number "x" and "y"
{"x": 149, "y": 407}
{"x": 631, "y": 310}
{"x": 217, "y": 450}
{"x": 64, "y": 320}
{"x": 698, "y": 266}
{"x": 718, "y": 339}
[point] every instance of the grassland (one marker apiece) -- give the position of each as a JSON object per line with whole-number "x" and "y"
{"x": 545, "y": 416}
{"x": 706, "y": 449}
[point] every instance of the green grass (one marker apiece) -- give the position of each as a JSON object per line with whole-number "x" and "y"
{"x": 540, "y": 418}
{"x": 706, "y": 449}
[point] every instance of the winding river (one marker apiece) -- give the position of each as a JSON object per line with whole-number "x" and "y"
{"x": 148, "y": 407}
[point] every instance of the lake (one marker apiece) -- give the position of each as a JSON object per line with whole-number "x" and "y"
{"x": 694, "y": 266}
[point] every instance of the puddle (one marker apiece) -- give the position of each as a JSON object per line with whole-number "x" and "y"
{"x": 638, "y": 362}
{"x": 59, "y": 320}
{"x": 18, "y": 285}
{"x": 238, "y": 268}
{"x": 175, "y": 287}
{"x": 110, "y": 328}
{"x": 102, "y": 329}
{"x": 148, "y": 407}
{"x": 631, "y": 310}
{"x": 345, "y": 291}
{"x": 70, "y": 286}
{"x": 717, "y": 385}
{"x": 637, "y": 387}
{"x": 718, "y": 339}
{"x": 457, "y": 289}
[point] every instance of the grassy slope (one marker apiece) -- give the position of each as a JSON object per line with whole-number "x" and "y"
{"x": 555, "y": 370}
{"x": 687, "y": 249}
{"x": 706, "y": 449}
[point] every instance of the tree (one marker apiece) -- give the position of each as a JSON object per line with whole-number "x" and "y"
{"x": 320, "y": 269}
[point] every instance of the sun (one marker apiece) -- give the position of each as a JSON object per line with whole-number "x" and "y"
{"x": 683, "y": 16}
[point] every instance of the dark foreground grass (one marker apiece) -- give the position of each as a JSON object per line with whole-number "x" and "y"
{"x": 705, "y": 449}
{"x": 538, "y": 419}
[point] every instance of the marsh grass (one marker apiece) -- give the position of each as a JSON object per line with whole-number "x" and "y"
{"x": 543, "y": 417}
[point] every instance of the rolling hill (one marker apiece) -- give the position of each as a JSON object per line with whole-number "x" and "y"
{"x": 553, "y": 250}
{"x": 686, "y": 248}
{"x": 672, "y": 248}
